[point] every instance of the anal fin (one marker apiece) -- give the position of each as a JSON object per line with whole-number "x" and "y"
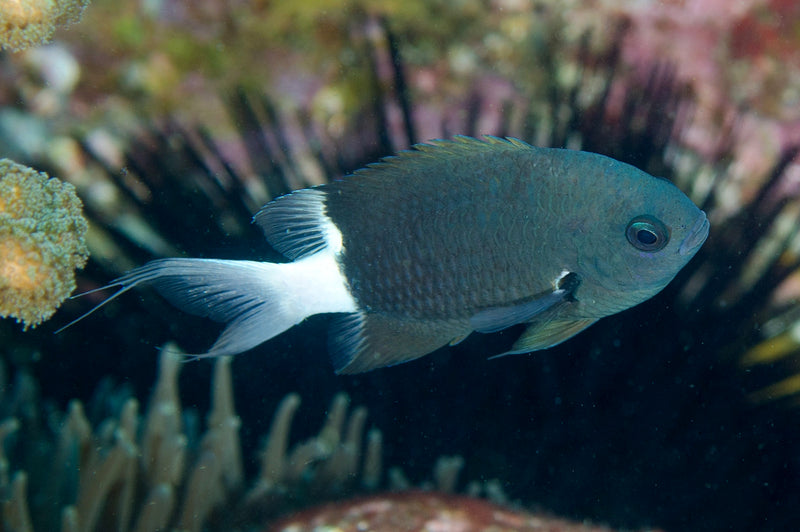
{"x": 364, "y": 341}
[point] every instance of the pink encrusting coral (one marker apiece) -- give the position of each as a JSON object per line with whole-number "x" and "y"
{"x": 425, "y": 511}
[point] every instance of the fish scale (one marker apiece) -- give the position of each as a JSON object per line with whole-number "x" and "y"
{"x": 478, "y": 248}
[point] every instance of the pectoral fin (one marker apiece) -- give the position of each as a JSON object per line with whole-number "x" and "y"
{"x": 498, "y": 318}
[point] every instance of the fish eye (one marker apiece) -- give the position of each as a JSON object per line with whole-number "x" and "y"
{"x": 646, "y": 233}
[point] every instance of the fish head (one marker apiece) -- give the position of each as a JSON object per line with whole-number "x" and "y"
{"x": 644, "y": 231}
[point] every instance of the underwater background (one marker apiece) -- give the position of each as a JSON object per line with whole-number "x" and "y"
{"x": 175, "y": 121}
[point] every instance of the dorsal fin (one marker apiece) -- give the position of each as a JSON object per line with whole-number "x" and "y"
{"x": 458, "y": 146}
{"x": 297, "y": 224}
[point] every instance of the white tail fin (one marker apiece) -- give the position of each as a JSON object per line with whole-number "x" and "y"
{"x": 257, "y": 300}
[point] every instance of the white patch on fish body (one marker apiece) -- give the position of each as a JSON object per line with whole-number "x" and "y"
{"x": 315, "y": 285}
{"x": 275, "y": 297}
{"x": 333, "y": 237}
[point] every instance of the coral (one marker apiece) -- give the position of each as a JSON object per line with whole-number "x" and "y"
{"x": 148, "y": 473}
{"x": 25, "y": 23}
{"x": 42, "y": 232}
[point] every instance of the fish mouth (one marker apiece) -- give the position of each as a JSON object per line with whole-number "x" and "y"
{"x": 697, "y": 235}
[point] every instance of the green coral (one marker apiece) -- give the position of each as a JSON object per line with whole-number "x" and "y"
{"x": 42, "y": 231}
{"x": 29, "y": 23}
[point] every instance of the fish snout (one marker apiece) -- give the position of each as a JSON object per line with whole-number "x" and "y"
{"x": 696, "y": 237}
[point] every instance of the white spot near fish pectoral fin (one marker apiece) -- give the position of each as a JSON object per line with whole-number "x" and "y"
{"x": 559, "y": 278}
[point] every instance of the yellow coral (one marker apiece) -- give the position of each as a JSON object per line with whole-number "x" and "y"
{"x": 42, "y": 232}
{"x": 25, "y": 23}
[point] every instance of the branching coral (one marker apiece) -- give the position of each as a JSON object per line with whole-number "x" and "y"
{"x": 42, "y": 233}
{"x": 156, "y": 477}
{"x": 25, "y": 23}
{"x": 142, "y": 474}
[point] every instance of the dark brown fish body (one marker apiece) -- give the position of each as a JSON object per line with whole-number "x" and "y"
{"x": 433, "y": 238}
{"x": 421, "y": 249}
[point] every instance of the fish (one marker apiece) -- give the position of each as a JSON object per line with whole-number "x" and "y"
{"x": 421, "y": 249}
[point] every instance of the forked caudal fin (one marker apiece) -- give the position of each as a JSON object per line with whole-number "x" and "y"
{"x": 257, "y": 300}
